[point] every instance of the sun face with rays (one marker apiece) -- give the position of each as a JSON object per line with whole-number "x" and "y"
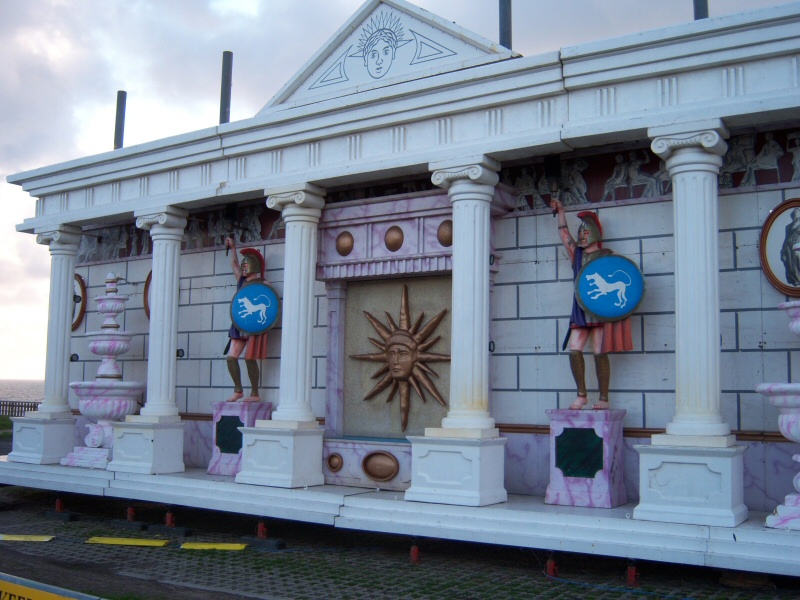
{"x": 404, "y": 354}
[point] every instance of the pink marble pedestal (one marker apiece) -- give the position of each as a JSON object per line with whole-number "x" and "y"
{"x": 586, "y": 458}
{"x": 226, "y": 457}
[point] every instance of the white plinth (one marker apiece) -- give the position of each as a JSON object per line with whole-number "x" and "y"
{"x": 696, "y": 486}
{"x": 41, "y": 441}
{"x": 146, "y": 447}
{"x": 462, "y": 471}
{"x": 281, "y": 456}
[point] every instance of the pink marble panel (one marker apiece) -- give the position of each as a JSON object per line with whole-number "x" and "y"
{"x": 607, "y": 488}
{"x": 354, "y": 451}
{"x": 197, "y": 443}
{"x": 526, "y": 465}
{"x": 248, "y": 413}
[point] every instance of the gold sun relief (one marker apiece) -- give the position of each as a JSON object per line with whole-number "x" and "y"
{"x": 404, "y": 354}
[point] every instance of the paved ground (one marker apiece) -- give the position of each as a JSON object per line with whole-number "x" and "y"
{"x": 318, "y": 562}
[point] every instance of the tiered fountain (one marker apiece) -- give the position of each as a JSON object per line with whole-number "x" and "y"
{"x": 107, "y": 398}
{"x": 786, "y": 397}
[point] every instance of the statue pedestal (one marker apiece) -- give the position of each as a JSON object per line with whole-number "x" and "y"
{"x": 586, "y": 458}
{"x": 41, "y": 441}
{"x": 787, "y": 515}
{"x": 284, "y": 454}
{"x": 692, "y": 485}
{"x": 465, "y": 471}
{"x": 148, "y": 445}
{"x": 226, "y": 457}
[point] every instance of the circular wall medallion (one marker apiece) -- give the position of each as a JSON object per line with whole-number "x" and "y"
{"x": 79, "y": 299}
{"x": 335, "y": 462}
{"x": 344, "y": 243}
{"x": 393, "y": 238}
{"x": 380, "y": 466}
{"x": 445, "y": 233}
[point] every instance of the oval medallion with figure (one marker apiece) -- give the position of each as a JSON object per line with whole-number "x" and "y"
{"x": 255, "y": 308}
{"x": 610, "y": 287}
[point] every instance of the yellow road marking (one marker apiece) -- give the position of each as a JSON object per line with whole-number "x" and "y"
{"x": 127, "y": 541}
{"x": 25, "y": 538}
{"x": 204, "y": 546}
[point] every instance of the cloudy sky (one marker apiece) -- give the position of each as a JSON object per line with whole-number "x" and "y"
{"x": 64, "y": 60}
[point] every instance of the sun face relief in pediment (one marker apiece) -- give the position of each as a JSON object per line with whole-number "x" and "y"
{"x": 392, "y": 43}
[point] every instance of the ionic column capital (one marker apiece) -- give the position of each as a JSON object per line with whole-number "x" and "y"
{"x": 707, "y": 136}
{"x": 168, "y": 216}
{"x": 307, "y": 196}
{"x": 481, "y": 172}
{"x": 62, "y": 236}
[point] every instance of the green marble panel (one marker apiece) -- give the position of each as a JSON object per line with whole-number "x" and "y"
{"x": 229, "y": 438}
{"x": 579, "y": 452}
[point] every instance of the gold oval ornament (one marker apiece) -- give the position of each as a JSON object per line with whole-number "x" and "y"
{"x": 380, "y": 466}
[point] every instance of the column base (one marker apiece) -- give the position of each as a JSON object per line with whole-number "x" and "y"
{"x": 696, "y": 486}
{"x": 286, "y": 456}
{"x": 41, "y": 441}
{"x": 786, "y": 515}
{"x": 90, "y": 458}
{"x": 147, "y": 447}
{"x": 586, "y": 466}
{"x": 465, "y": 471}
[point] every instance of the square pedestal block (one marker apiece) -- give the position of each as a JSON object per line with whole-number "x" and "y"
{"x": 149, "y": 448}
{"x": 282, "y": 456}
{"x": 229, "y": 417}
{"x": 461, "y": 471}
{"x": 787, "y": 515}
{"x": 586, "y": 458}
{"x": 696, "y": 486}
{"x": 41, "y": 441}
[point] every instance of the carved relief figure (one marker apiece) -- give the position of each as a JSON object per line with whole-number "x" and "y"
{"x": 636, "y": 177}
{"x": 194, "y": 234}
{"x": 574, "y": 184}
{"x": 741, "y": 151}
{"x": 793, "y": 147}
{"x": 767, "y": 158}
{"x": 618, "y": 179}
{"x": 134, "y": 241}
{"x": 526, "y": 186}
{"x": 404, "y": 356}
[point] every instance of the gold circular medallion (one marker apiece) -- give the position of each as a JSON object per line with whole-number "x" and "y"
{"x": 335, "y": 462}
{"x": 445, "y": 233}
{"x": 380, "y": 466}
{"x": 344, "y": 243}
{"x": 393, "y": 238}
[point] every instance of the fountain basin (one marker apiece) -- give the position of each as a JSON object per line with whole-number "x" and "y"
{"x": 108, "y": 400}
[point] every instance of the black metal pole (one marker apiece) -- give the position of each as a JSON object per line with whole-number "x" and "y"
{"x": 225, "y": 90}
{"x": 505, "y": 23}
{"x": 700, "y": 9}
{"x": 119, "y": 126}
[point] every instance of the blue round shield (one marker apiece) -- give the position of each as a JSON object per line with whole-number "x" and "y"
{"x": 610, "y": 287}
{"x": 255, "y": 308}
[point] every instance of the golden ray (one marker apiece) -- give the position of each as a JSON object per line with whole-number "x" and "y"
{"x": 429, "y": 344}
{"x": 379, "y": 387}
{"x": 392, "y": 325}
{"x": 413, "y": 329}
{"x": 433, "y": 357}
{"x": 405, "y": 315}
{"x": 426, "y": 331}
{"x": 382, "y": 331}
{"x": 429, "y": 385}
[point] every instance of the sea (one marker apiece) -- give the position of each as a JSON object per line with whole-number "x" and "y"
{"x": 22, "y": 390}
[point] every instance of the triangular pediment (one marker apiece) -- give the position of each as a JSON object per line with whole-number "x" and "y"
{"x": 384, "y": 43}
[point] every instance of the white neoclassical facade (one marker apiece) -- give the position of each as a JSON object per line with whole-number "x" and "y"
{"x": 400, "y": 175}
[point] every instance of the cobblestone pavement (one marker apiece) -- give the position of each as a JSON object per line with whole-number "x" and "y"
{"x": 319, "y": 561}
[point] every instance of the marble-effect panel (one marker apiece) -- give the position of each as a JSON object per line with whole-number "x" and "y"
{"x": 224, "y": 463}
{"x": 353, "y": 453}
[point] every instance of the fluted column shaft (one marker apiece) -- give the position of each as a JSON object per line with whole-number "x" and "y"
{"x": 693, "y": 158}
{"x": 166, "y": 230}
{"x": 471, "y": 190}
{"x": 63, "y": 243}
{"x": 301, "y": 210}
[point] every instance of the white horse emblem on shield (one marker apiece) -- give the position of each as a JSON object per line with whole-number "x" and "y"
{"x": 598, "y": 286}
{"x": 247, "y": 308}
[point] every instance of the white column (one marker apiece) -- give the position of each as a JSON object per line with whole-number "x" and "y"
{"x": 694, "y": 473}
{"x": 301, "y": 210}
{"x": 693, "y": 158}
{"x": 63, "y": 243}
{"x": 471, "y": 190}
{"x": 463, "y": 461}
{"x": 166, "y": 230}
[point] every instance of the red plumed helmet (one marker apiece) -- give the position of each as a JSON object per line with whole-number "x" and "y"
{"x": 251, "y": 254}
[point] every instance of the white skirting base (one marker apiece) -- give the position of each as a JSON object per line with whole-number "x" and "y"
{"x": 41, "y": 441}
{"x": 697, "y": 486}
{"x": 281, "y": 457}
{"x": 149, "y": 448}
{"x": 462, "y": 471}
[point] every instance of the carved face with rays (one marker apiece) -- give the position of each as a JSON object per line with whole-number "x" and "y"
{"x": 404, "y": 354}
